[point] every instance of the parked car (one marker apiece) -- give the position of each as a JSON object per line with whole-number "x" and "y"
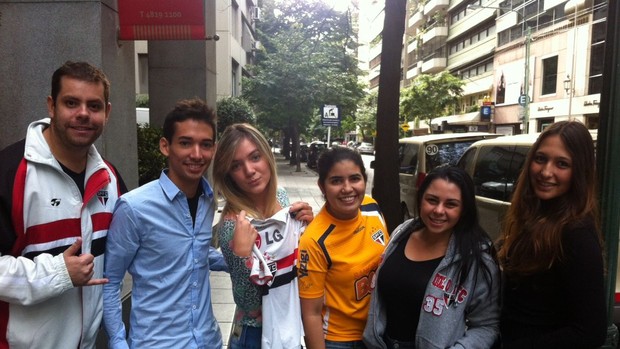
{"x": 353, "y": 144}
{"x": 303, "y": 152}
{"x": 420, "y": 154}
{"x": 366, "y": 148}
{"x": 314, "y": 150}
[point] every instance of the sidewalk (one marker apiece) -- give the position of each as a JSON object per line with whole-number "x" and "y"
{"x": 300, "y": 186}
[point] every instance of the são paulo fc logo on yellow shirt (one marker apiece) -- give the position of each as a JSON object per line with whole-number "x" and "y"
{"x": 379, "y": 237}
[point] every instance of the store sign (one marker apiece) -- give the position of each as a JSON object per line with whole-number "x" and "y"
{"x": 485, "y": 113}
{"x": 161, "y": 19}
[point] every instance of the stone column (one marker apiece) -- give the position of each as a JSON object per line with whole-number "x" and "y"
{"x": 38, "y": 36}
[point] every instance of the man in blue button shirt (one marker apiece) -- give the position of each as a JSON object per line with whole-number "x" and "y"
{"x": 161, "y": 234}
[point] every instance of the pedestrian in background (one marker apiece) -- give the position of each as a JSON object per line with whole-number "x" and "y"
{"x": 257, "y": 217}
{"x": 551, "y": 252}
{"x": 438, "y": 286}
{"x": 161, "y": 234}
{"x": 339, "y": 254}
{"x": 56, "y": 199}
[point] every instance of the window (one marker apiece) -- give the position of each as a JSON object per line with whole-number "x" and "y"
{"x": 472, "y": 39}
{"x": 597, "y": 54}
{"x": 234, "y": 21}
{"x": 497, "y": 170}
{"x": 408, "y": 156}
{"x": 550, "y": 75}
{"x": 143, "y": 73}
{"x": 543, "y": 123}
{"x": 445, "y": 153}
{"x": 234, "y": 81}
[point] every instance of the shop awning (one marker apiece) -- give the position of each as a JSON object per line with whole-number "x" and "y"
{"x": 459, "y": 119}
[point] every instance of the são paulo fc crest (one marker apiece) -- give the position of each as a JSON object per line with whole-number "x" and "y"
{"x": 379, "y": 237}
{"x": 102, "y": 196}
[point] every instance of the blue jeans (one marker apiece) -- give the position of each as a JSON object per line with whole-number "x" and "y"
{"x": 245, "y": 337}
{"x": 344, "y": 345}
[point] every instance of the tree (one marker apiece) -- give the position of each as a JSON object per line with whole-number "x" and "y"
{"x": 233, "y": 110}
{"x": 307, "y": 61}
{"x": 429, "y": 96}
{"x": 386, "y": 145}
{"x": 150, "y": 160}
{"x": 366, "y": 117}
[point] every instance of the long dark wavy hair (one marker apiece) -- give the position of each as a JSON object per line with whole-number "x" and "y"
{"x": 531, "y": 239}
{"x": 470, "y": 239}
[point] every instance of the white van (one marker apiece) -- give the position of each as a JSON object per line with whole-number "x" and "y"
{"x": 420, "y": 154}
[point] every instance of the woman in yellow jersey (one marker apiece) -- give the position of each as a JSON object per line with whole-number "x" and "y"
{"x": 339, "y": 253}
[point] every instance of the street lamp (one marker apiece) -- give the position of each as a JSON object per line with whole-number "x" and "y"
{"x": 568, "y": 87}
{"x": 524, "y": 99}
{"x": 567, "y": 82}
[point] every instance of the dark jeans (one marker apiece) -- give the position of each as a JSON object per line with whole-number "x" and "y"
{"x": 245, "y": 337}
{"x": 396, "y": 344}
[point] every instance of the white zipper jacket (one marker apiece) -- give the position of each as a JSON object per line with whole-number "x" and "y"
{"x": 42, "y": 212}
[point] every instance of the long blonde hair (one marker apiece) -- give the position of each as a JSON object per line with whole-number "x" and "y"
{"x": 532, "y": 234}
{"x": 236, "y": 199}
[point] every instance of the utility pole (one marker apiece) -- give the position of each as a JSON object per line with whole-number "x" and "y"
{"x": 608, "y": 163}
{"x": 526, "y": 81}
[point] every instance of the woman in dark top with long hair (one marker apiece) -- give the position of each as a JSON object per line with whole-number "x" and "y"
{"x": 438, "y": 286}
{"x": 551, "y": 250}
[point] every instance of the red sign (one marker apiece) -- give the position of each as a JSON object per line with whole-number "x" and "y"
{"x": 161, "y": 19}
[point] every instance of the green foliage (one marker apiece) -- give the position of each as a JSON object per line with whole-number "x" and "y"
{"x": 366, "y": 118}
{"x": 473, "y": 108}
{"x": 376, "y": 40}
{"x": 142, "y": 100}
{"x": 233, "y": 110}
{"x": 308, "y": 61}
{"x": 150, "y": 160}
{"x": 429, "y": 96}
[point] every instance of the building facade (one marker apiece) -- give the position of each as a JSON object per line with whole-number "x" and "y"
{"x": 231, "y": 46}
{"x": 550, "y": 51}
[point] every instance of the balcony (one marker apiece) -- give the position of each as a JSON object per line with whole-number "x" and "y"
{"x": 434, "y": 65}
{"x": 437, "y": 31}
{"x": 414, "y": 22}
{"x": 508, "y": 20}
{"x": 435, "y": 5}
{"x": 412, "y": 72}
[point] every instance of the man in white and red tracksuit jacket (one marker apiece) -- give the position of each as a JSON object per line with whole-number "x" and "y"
{"x": 56, "y": 200}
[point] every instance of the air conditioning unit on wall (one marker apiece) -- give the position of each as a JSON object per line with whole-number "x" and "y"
{"x": 256, "y": 13}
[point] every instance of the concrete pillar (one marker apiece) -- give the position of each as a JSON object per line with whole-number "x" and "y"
{"x": 38, "y": 36}
{"x": 182, "y": 69}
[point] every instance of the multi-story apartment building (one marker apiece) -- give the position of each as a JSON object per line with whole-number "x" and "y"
{"x": 491, "y": 44}
{"x": 553, "y": 52}
{"x": 235, "y": 23}
{"x": 371, "y": 16}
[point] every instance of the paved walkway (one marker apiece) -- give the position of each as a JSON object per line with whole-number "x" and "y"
{"x": 300, "y": 186}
